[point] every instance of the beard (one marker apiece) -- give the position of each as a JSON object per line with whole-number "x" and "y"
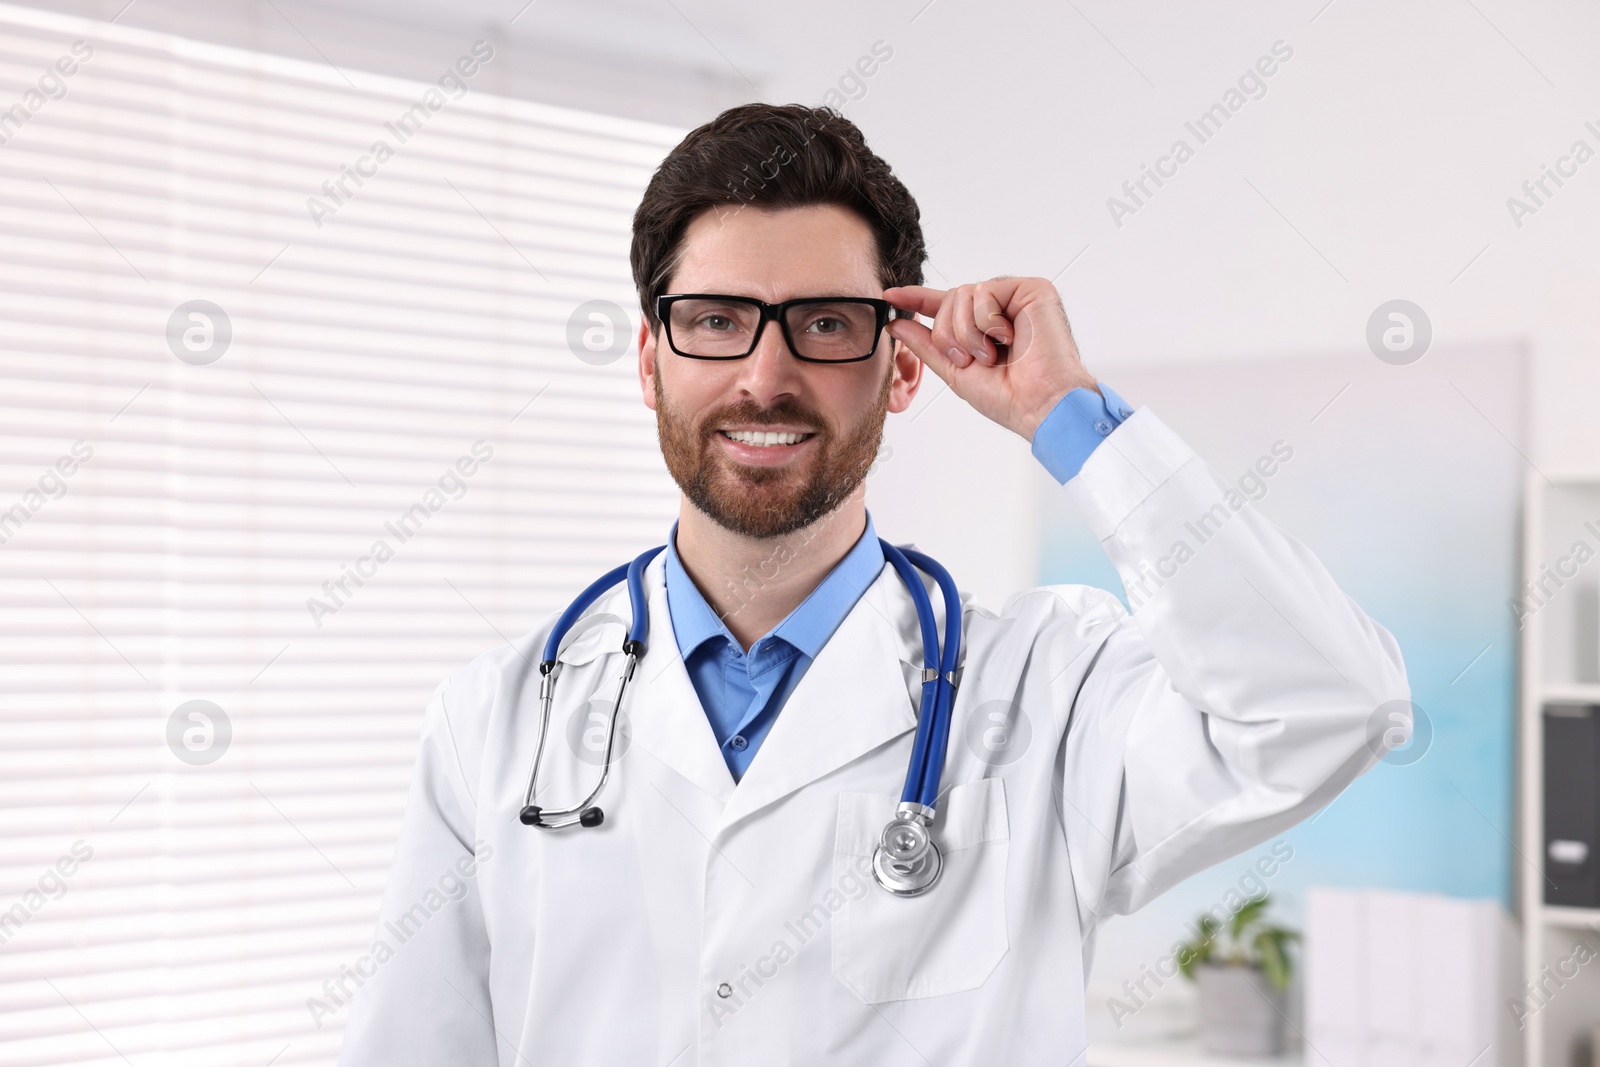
{"x": 767, "y": 502}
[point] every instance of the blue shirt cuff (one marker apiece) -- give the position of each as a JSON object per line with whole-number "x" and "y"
{"x": 1075, "y": 427}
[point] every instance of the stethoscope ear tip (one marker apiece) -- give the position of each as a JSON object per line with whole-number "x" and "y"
{"x": 533, "y": 815}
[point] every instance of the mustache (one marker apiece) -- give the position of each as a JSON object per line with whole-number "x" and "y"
{"x": 784, "y": 416}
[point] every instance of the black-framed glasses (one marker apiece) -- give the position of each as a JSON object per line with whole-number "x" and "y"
{"x": 819, "y": 329}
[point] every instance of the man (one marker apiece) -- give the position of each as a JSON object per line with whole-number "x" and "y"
{"x": 724, "y": 911}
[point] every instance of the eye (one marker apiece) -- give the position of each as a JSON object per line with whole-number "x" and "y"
{"x": 715, "y": 322}
{"x": 828, "y": 324}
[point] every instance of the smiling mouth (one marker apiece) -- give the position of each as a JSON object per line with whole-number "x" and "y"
{"x": 765, "y": 439}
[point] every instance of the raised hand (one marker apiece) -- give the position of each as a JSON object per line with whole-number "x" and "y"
{"x": 1004, "y": 346}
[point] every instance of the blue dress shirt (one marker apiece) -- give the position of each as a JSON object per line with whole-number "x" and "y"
{"x": 742, "y": 692}
{"x": 1079, "y": 421}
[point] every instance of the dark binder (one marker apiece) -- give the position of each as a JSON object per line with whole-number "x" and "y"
{"x": 1572, "y": 805}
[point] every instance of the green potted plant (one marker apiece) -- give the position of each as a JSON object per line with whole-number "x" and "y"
{"x": 1242, "y": 969}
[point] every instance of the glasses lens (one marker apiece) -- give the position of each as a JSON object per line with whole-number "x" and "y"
{"x": 833, "y": 329}
{"x": 712, "y": 327}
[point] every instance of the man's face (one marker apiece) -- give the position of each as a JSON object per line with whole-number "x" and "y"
{"x": 766, "y": 491}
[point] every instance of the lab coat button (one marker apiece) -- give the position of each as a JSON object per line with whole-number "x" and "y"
{"x": 724, "y": 990}
{"x": 738, "y": 742}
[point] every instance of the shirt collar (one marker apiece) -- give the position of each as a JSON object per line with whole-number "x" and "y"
{"x": 807, "y": 627}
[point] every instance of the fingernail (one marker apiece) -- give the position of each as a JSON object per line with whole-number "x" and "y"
{"x": 955, "y": 354}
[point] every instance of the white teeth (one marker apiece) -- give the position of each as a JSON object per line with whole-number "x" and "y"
{"x": 764, "y": 440}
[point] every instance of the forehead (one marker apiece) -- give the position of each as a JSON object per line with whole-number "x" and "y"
{"x": 741, "y": 250}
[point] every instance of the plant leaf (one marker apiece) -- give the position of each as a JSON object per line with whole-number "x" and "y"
{"x": 1248, "y": 915}
{"x": 1269, "y": 949}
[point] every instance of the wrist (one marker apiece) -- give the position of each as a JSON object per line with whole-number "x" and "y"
{"x": 1030, "y": 424}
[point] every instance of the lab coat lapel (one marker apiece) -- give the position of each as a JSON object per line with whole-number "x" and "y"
{"x": 668, "y": 720}
{"x": 857, "y": 695}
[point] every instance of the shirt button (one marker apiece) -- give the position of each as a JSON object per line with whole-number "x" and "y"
{"x": 1102, "y": 427}
{"x": 724, "y": 990}
{"x": 738, "y": 742}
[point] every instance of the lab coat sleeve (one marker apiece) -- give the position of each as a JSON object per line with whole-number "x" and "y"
{"x": 1241, "y": 695}
{"x": 424, "y": 997}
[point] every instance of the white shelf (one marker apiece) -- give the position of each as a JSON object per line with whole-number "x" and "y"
{"x": 1558, "y": 647}
{"x": 1571, "y": 693}
{"x": 1178, "y": 1054}
{"x": 1570, "y": 917}
{"x": 1573, "y": 477}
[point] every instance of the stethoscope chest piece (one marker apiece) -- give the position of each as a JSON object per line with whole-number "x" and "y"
{"x": 906, "y": 861}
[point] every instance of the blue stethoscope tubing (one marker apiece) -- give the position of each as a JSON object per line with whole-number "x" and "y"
{"x": 907, "y": 861}
{"x": 938, "y": 672}
{"x": 634, "y": 573}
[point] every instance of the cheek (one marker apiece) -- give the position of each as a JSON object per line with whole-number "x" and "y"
{"x": 690, "y": 395}
{"x": 845, "y": 409}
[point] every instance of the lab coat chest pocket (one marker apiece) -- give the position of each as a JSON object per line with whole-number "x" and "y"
{"x": 951, "y": 937}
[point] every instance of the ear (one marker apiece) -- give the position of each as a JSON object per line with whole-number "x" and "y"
{"x": 647, "y": 365}
{"x": 907, "y": 372}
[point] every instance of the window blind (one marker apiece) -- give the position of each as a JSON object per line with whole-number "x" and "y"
{"x": 292, "y": 426}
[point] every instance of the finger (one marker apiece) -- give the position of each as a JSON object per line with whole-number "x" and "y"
{"x": 944, "y": 333}
{"x": 1005, "y": 289}
{"x": 968, "y": 336}
{"x": 918, "y": 299}
{"x": 988, "y": 312}
{"x": 919, "y": 339}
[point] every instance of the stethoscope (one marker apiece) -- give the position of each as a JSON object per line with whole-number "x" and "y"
{"x": 906, "y": 860}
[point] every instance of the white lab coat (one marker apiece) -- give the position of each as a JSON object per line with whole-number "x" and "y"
{"x": 1235, "y": 702}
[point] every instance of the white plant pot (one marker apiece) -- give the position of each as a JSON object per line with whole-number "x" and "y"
{"x": 1241, "y": 1013}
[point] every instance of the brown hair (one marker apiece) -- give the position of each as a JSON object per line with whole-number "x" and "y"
{"x": 773, "y": 156}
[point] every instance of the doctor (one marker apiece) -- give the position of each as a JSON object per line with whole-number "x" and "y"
{"x": 725, "y": 910}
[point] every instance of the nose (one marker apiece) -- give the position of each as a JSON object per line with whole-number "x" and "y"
{"x": 771, "y": 371}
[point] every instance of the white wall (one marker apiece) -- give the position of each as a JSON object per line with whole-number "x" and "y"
{"x": 622, "y": 57}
